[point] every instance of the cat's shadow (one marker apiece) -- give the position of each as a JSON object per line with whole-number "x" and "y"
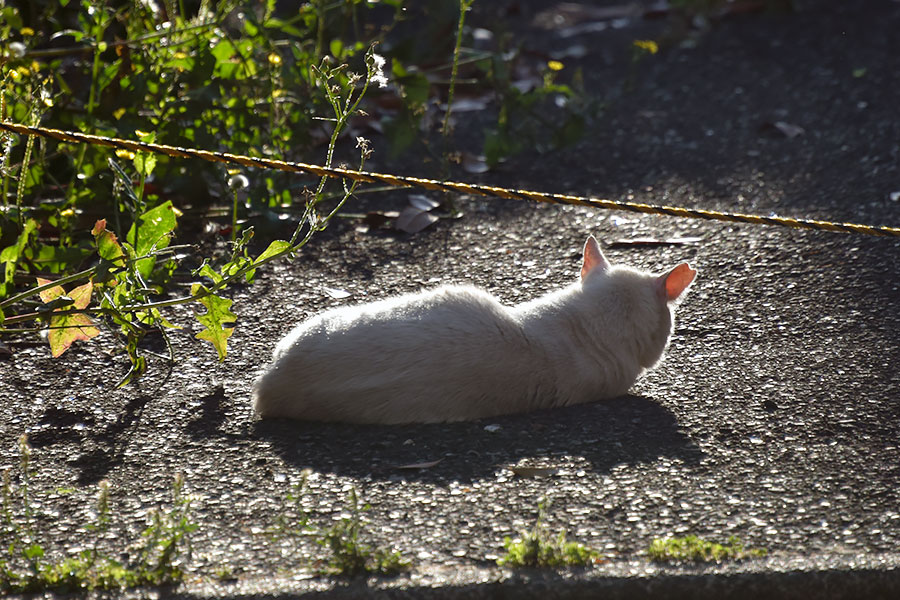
{"x": 627, "y": 430}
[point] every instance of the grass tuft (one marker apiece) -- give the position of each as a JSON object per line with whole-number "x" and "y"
{"x": 349, "y": 556}
{"x": 25, "y": 567}
{"x": 694, "y": 549}
{"x": 539, "y": 548}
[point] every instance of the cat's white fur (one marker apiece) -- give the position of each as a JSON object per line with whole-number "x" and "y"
{"x": 456, "y": 353}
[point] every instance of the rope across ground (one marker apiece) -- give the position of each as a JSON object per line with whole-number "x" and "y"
{"x": 433, "y": 184}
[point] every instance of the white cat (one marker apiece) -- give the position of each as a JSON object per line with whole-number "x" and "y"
{"x": 455, "y": 353}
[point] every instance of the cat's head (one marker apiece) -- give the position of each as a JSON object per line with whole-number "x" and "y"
{"x": 669, "y": 287}
{"x": 642, "y": 302}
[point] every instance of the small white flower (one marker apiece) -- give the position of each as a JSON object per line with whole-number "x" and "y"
{"x": 238, "y": 182}
{"x": 17, "y": 50}
{"x": 376, "y": 72}
{"x": 380, "y": 79}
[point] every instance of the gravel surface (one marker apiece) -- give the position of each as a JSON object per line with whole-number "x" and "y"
{"x": 773, "y": 418}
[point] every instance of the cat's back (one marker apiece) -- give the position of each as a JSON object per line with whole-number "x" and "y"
{"x": 434, "y": 356}
{"x": 447, "y": 311}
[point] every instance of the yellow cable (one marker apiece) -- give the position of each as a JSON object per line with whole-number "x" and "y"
{"x": 432, "y": 184}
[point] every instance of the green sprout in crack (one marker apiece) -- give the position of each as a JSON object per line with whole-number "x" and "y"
{"x": 293, "y": 520}
{"x": 26, "y": 567}
{"x": 539, "y": 548}
{"x": 349, "y": 556}
{"x": 694, "y": 549}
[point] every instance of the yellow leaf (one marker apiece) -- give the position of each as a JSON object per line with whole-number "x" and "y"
{"x": 67, "y": 329}
{"x": 82, "y": 295}
{"x": 50, "y": 294}
{"x": 648, "y": 45}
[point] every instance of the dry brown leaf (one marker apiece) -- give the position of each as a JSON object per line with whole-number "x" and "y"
{"x": 336, "y": 293}
{"x": 567, "y": 14}
{"x": 422, "y": 202}
{"x": 417, "y": 216}
{"x": 378, "y": 218}
{"x": 526, "y": 84}
{"x": 473, "y": 163}
{"x": 413, "y": 220}
{"x": 420, "y": 465}
{"x": 468, "y": 104}
{"x": 534, "y": 471}
{"x": 788, "y": 130}
{"x": 649, "y": 241}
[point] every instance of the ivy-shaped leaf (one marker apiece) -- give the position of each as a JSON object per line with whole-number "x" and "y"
{"x": 154, "y": 317}
{"x": 152, "y": 232}
{"x": 207, "y": 271}
{"x": 276, "y": 247}
{"x": 66, "y": 329}
{"x": 107, "y": 244}
{"x": 50, "y": 294}
{"x": 112, "y": 257}
{"x": 217, "y": 315}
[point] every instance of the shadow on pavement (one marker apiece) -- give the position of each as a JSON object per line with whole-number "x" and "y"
{"x": 625, "y": 430}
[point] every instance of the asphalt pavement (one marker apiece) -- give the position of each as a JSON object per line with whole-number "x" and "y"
{"x": 775, "y": 416}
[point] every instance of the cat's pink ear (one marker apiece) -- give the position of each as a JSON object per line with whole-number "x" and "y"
{"x": 673, "y": 283}
{"x": 593, "y": 257}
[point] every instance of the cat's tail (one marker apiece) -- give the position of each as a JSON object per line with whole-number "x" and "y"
{"x": 269, "y": 395}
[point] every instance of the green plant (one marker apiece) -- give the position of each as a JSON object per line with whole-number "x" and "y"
{"x": 92, "y": 241}
{"x": 131, "y": 272}
{"x": 293, "y": 520}
{"x": 166, "y": 543}
{"x": 548, "y": 115}
{"x": 539, "y": 548}
{"x": 25, "y": 567}
{"x": 464, "y": 6}
{"x": 349, "y": 556}
{"x": 695, "y": 549}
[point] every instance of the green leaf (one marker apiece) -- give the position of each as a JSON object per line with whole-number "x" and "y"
{"x": 336, "y": 48}
{"x": 217, "y": 315}
{"x": 400, "y": 133}
{"x": 33, "y": 551}
{"x": 223, "y": 52}
{"x": 144, "y": 162}
{"x": 112, "y": 257}
{"x": 11, "y": 16}
{"x": 276, "y": 247}
{"x": 497, "y": 146}
{"x": 152, "y": 231}
{"x": 107, "y": 74}
{"x": 57, "y": 259}
{"x": 138, "y": 366}
{"x": 284, "y": 27}
{"x": 207, "y": 271}
{"x": 154, "y": 317}
{"x": 12, "y": 254}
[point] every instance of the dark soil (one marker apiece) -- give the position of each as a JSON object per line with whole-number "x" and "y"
{"x": 774, "y": 417}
